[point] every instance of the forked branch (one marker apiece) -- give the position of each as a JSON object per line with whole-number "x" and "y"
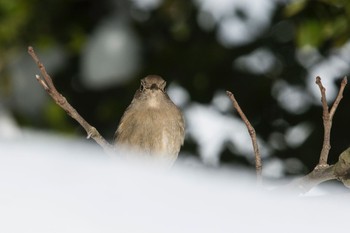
{"x": 323, "y": 172}
{"x": 327, "y": 119}
{"x": 47, "y": 83}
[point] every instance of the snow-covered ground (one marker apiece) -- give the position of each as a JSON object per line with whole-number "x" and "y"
{"x": 54, "y": 184}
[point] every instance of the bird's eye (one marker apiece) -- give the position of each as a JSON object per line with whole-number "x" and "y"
{"x": 142, "y": 86}
{"x": 163, "y": 85}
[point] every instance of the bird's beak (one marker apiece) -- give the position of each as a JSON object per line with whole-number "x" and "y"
{"x": 154, "y": 87}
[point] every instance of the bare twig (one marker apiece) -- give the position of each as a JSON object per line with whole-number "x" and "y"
{"x": 323, "y": 172}
{"x": 339, "y": 97}
{"x": 327, "y": 119}
{"x": 47, "y": 83}
{"x": 251, "y": 130}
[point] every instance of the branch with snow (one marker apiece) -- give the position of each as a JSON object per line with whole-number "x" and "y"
{"x": 47, "y": 83}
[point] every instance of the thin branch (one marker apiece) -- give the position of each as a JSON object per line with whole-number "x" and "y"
{"x": 327, "y": 125}
{"x": 251, "y": 130}
{"x": 327, "y": 119}
{"x": 339, "y": 97}
{"x": 47, "y": 83}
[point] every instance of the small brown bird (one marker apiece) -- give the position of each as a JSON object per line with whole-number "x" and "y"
{"x": 152, "y": 124}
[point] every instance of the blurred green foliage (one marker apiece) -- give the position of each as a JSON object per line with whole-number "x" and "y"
{"x": 320, "y": 23}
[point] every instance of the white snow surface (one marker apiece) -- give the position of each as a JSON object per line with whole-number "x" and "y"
{"x": 54, "y": 184}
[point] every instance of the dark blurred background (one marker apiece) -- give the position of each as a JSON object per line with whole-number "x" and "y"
{"x": 267, "y": 52}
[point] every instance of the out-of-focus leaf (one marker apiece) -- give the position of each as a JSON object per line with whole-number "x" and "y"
{"x": 56, "y": 117}
{"x": 336, "y": 27}
{"x": 13, "y": 17}
{"x": 294, "y": 7}
{"x": 310, "y": 34}
{"x": 77, "y": 39}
